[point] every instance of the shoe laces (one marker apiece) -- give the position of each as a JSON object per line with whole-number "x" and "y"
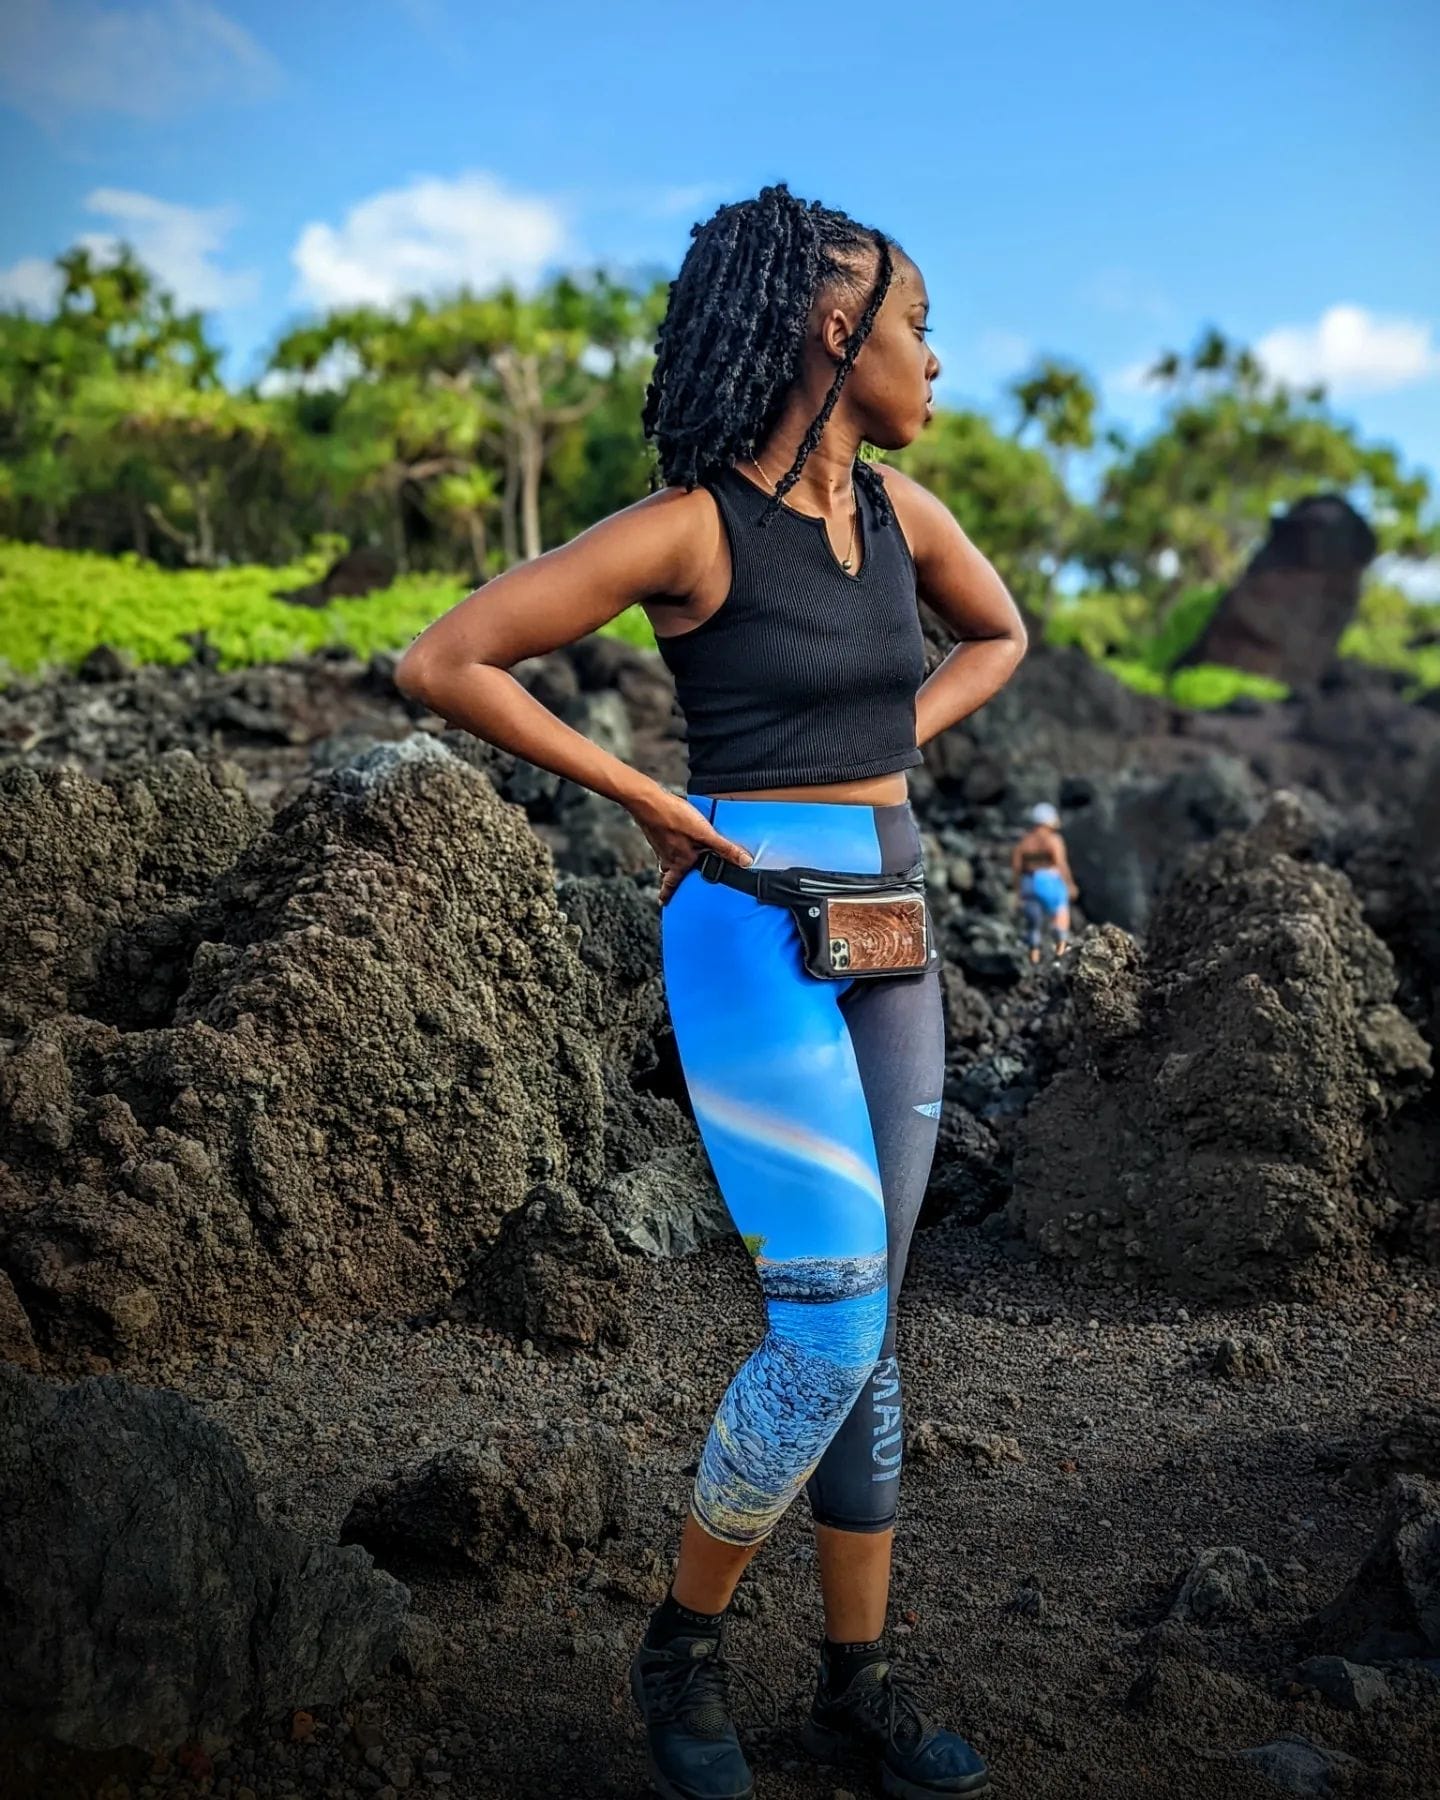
{"x": 695, "y": 1690}
{"x": 888, "y": 1705}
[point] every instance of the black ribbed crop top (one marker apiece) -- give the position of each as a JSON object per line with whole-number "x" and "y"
{"x": 805, "y": 673}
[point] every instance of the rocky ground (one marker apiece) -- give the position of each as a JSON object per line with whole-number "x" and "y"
{"x": 268, "y": 1150}
{"x": 1072, "y": 1452}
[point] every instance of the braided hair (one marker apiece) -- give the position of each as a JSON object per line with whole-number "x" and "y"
{"x": 730, "y": 346}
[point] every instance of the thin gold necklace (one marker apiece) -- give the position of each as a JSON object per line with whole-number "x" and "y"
{"x": 849, "y": 556}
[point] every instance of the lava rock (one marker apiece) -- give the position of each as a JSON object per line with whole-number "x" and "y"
{"x": 520, "y": 1496}
{"x": 554, "y": 1275}
{"x": 385, "y": 1037}
{"x": 1245, "y": 1359}
{"x": 1356, "y": 1687}
{"x": 1297, "y": 1765}
{"x": 1221, "y": 1586}
{"x": 1390, "y": 1608}
{"x": 1284, "y": 616}
{"x": 1211, "y": 1127}
{"x": 148, "y": 1598}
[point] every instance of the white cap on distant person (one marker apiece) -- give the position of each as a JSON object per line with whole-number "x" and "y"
{"x": 1043, "y": 813}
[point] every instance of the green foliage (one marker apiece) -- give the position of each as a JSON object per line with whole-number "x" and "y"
{"x": 1007, "y": 497}
{"x": 1101, "y": 624}
{"x": 1116, "y": 631}
{"x": 1136, "y": 675}
{"x": 1208, "y": 685}
{"x": 56, "y": 606}
{"x": 1187, "y": 505}
{"x": 1182, "y": 625}
{"x": 468, "y": 432}
{"x": 754, "y": 1242}
{"x": 1123, "y": 625}
{"x": 1057, "y": 397}
{"x": 1391, "y": 631}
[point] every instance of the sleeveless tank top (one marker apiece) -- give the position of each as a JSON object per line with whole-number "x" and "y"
{"x": 805, "y": 673}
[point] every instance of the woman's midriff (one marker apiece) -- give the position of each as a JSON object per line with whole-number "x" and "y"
{"x": 872, "y": 790}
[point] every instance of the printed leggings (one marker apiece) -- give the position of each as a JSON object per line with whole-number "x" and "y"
{"x": 818, "y": 1103}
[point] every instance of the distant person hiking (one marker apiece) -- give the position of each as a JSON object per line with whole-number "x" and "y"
{"x": 1043, "y": 881}
{"x": 781, "y": 573}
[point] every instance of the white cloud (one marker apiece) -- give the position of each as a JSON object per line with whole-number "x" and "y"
{"x": 1352, "y": 351}
{"x": 178, "y": 242}
{"x": 32, "y": 284}
{"x": 430, "y": 237}
{"x": 59, "y": 58}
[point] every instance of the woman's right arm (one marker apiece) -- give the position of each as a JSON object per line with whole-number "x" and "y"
{"x": 460, "y": 666}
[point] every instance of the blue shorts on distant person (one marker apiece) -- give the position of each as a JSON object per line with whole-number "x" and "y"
{"x": 818, "y": 1103}
{"x": 1043, "y": 896}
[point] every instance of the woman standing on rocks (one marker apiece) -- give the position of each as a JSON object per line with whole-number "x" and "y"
{"x": 781, "y": 575}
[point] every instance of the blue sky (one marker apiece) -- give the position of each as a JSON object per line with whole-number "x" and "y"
{"x": 1098, "y": 181}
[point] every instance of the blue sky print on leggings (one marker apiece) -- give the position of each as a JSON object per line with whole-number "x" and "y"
{"x": 784, "y": 1406}
{"x": 793, "y": 1163}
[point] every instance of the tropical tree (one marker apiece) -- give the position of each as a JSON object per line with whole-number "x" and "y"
{"x": 1186, "y": 505}
{"x": 1008, "y": 496}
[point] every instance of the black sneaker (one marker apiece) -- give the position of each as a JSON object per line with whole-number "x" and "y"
{"x": 682, "y": 1690}
{"x": 879, "y": 1718}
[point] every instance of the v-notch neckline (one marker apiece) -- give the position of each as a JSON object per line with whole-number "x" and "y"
{"x": 862, "y": 535}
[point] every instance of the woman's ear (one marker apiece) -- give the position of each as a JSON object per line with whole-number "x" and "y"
{"x": 835, "y": 330}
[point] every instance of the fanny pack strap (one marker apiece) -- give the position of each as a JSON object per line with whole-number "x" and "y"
{"x": 779, "y": 886}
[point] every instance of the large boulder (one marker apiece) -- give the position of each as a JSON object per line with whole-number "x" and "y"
{"x": 520, "y": 1496}
{"x": 1284, "y": 616}
{"x": 554, "y": 1275}
{"x": 385, "y": 1036}
{"x": 148, "y": 1598}
{"x": 1213, "y": 1125}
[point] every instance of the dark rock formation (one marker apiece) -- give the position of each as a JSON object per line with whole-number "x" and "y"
{"x": 666, "y": 1204}
{"x": 357, "y": 572}
{"x": 521, "y": 1496}
{"x": 148, "y": 1599}
{"x": 385, "y": 1037}
{"x": 1390, "y": 1608}
{"x": 554, "y": 1275}
{"x": 1223, "y": 1584}
{"x": 1284, "y": 616}
{"x": 1396, "y": 873}
{"x": 1353, "y": 1687}
{"x": 1211, "y": 1128}
{"x": 17, "y": 1345}
{"x": 101, "y": 881}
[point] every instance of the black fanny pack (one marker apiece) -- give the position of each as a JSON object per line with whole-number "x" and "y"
{"x": 853, "y": 927}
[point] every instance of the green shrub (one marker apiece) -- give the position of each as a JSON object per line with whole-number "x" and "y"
{"x": 1136, "y": 675}
{"x": 1384, "y": 631}
{"x": 1209, "y": 685}
{"x": 58, "y": 605}
{"x": 1099, "y": 623}
{"x": 1182, "y": 626}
